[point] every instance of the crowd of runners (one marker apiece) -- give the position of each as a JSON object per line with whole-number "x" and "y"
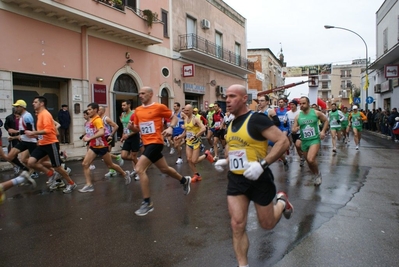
{"x": 245, "y": 142}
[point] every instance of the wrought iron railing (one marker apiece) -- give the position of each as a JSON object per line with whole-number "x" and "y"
{"x": 193, "y": 41}
{"x": 134, "y": 8}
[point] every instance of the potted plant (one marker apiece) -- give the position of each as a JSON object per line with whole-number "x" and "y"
{"x": 149, "y": 16}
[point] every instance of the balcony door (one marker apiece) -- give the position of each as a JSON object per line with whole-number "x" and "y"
{"x": 219, "y": 44}
{"x": 191, "y": 32}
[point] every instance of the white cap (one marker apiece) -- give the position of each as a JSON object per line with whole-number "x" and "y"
{"x": 397, "y": 119}
{"x": 354, "y": 107}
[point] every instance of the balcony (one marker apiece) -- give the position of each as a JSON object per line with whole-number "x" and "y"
{"x": 346, "y": 75}
{"x": 201, "y": 50}
{"x": 120, "y": 22}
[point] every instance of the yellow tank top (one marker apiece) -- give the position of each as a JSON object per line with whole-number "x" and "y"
{"x": 191, "y": 130}
{"x": 243, "y": 148}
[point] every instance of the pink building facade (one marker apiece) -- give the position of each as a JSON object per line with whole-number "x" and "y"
{"x": 76, "y": 52}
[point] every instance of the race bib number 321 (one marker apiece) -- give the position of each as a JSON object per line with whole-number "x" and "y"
{"x": 147, "y": 127}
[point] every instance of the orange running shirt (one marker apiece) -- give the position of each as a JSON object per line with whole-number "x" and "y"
{"x": 150, "y": 121}
{"x": 45, "y": 123}
{"x": 91, "y": 128}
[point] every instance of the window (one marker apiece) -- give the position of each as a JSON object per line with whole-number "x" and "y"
{"x": 191, "y": 32}
{"x": 324, "y": 85}
{"x": 385, "y": 40}
{"x": 132, "y": 4}
{"x": 219, "y": 44}
{"x": 165, "y": 23}
{"x": 237, "y": 51}
{"x": 346, "y": 73}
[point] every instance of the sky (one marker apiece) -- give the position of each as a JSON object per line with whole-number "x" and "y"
{"x": 297, "y": 26}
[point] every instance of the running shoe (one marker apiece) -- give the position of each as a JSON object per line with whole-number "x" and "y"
{"x": 16, "y": 170}
{"x": 289, "y": 208}
{"x": 92, "y": 167}
{"x": 211, "y": 149}
{"x": 34, "y": 175}
{"x": 186, "y": 185}
{"x": 57, "y": 184}
{"x": 334, "y": 150}
{"x": 196, "y": 178}
{"x": 68, "y": 170}
{"x": 87, "y": 188}
{"x": 133, "y": 174}
{"x": 179, "y": 161}
{"x": 202, "y": 147}
{"x": 69, "y": 188}
{"x": 120, "y": 160}
{"x": 2, "y": 194}
{"x": 286, "y": 166}
{"x": 144, "y": 209}
{"x": 209, "y": 156}
{"x": 128, "y": 180}
{"x": 110, "y": 174}
{"x": 172, "y": 151}
{"x": 215, "y": 159}
{"x": 28, "y": 178}
{"x": 357, "y": 147}
{"x": 302, "y": 163}
{"x": 317, "y": 179}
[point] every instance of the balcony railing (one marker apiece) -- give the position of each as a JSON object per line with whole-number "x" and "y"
{"x": 126, "y": 4}
{"x": 195, "y": 42}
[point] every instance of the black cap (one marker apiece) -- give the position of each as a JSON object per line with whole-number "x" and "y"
{"x": 294, "y": 101}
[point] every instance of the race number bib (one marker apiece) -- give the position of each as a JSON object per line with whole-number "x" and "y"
{"x": 334, "y": 123}
{"x": 147, "y": 127}
{"x": 40, "y": 137}
{"x": 237, "y": 158}
{"x": 309, "y": 132}
{"x": 189, "y": 135}
{"x": 356, "y": 123}
{"x": 89, "y": 132}
{"x": 217, "y": 124}
{"x": 126, "y": 130}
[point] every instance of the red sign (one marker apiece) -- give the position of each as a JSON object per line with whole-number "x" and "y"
{"x": 100, "y": 94}
{"x": 188, "y": 70}
{"x": 391, "y": 71}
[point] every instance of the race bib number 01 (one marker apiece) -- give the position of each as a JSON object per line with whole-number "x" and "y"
{"x": 237, "y": 158}
{"x": 309, "y": 132}
{"x": 147, "y": 127}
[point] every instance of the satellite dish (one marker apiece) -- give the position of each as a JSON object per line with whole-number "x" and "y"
{"x": 213, "y": 83}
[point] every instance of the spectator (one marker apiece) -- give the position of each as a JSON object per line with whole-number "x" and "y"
{"x": 64, "y": 118}
{"x": 12, "y": 127}
{"x": 395, "y": 129}
{"x": 391, "y": 121}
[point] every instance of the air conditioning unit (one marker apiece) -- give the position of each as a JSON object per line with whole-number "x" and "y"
{"x": 377, "y": 88}
{"x": 220, "y": 90}
{"x": 205, "y": 24}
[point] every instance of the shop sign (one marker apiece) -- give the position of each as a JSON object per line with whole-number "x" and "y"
{"x": 193, "y": 88}
{"x": 99, "y": 92}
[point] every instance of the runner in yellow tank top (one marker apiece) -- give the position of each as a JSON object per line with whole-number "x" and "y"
{"x": 193, "y": 129}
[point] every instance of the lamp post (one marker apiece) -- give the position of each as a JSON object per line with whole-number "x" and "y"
{"x": 366, "y": 85}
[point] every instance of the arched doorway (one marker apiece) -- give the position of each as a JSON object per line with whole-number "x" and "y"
{"x": 165, "y": 97}
{"x": 125, "y": 88}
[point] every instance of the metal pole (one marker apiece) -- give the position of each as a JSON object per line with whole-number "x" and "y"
{"x": 367, "y": 59}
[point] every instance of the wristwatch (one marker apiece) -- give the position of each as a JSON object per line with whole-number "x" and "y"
{"x": 264, "y": 164}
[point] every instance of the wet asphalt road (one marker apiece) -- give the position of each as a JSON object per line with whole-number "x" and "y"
{"x": 39, "y": 228}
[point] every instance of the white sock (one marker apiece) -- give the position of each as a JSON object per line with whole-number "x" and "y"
{"x": 18, "y": 180}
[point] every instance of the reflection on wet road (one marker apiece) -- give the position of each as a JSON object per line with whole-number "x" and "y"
{"x": 100, "y": 228}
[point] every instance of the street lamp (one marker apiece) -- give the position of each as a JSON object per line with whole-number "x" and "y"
{"x": 366, "y": 85}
